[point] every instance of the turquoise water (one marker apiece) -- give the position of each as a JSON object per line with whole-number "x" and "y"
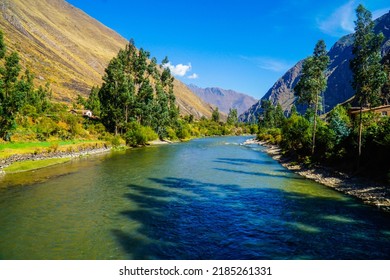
{"x": 206, "y": 199}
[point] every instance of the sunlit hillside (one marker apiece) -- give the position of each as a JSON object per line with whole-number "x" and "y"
{"x": 69, "y": 49}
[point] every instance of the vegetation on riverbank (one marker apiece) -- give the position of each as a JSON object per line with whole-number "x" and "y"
{"x": 136, "y": 102}
{"x": 368, "y": 191}
{"x": 35, "y": 148}
{"x": 134, "y": 105}
{"x": 356, "y": 144}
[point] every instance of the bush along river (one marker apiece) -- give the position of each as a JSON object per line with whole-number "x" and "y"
{"x": 209, "y": 198}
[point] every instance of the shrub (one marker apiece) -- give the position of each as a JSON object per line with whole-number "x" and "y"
{"x": 183, "y": 130}
{"x": 54, "y": 147}
{"x": 340, "y": 123}
{"x": 116, "y": 141}
{"x": 270, "y": 135}
{"x": 46, "y": 127}
{"x": 296, "y": 134}
{"x": 29, "y": 110}
{"x": 171, "y": 133}
{"x": 139, "y": 135}
{"x": 325, "y": 141}
{"x": 253, "y": 129}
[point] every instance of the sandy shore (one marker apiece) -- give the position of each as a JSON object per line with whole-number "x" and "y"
{"x": 159, "y": 142}
{"x": 369, "y": 192}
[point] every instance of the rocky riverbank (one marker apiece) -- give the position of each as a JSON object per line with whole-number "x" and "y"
{"x": 369, "y": 192}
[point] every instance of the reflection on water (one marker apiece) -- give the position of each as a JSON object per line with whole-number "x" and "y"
{"x": 205, "y": 199}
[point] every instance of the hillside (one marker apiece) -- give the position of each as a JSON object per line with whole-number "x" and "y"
{"x": 339, "y": 75}
{"x": 64, "y": 46}
{"x": 224, "y": 99}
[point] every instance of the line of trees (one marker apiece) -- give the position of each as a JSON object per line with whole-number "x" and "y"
{"x": 136, "y": 89}
{"x": 338, "y": 139}
{"x": 136, "y": 102}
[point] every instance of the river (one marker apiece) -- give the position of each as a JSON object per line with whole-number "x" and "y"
{"x": 208, "y": 198}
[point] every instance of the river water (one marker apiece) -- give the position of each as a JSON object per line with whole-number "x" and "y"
{"x": 205, "y": 199}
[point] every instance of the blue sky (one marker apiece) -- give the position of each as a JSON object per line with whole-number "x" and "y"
{"x": 243, "y": 45}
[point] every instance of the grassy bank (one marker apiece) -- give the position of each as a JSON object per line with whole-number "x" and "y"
{"x": 33, "y": 164}
{"x": 9, "y": 149}
{"x": 19, "y": 157}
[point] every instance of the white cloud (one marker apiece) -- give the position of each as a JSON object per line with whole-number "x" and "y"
{"x": 378, "y": 13}
{"x": 193, "y": 76}
{"x": 179, "y": 69}
{"x": 269, "y": 63}
{"x": 340, "y": 22}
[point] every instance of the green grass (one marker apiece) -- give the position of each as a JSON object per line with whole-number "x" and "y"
{"x": 19, "y": 148}
{"x": 33, "y": 164}
{"x": 26, "y": 145}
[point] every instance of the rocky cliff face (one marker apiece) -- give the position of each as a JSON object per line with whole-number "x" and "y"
{"x": 339, "y": 75}
{"x": 224, "y": 99}
{"x": 64, "y": 46}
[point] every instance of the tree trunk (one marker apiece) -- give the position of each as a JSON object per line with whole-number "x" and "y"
{"x": 360, "y": 136}
{"x": 314, "y": 125}
{"x": 126, "y": 113}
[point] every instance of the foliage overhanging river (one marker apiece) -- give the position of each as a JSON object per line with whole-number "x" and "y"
{"x": 206, "y": 199}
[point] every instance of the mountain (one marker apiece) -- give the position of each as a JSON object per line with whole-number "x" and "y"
{"x": 64, "y": 46}
{"x": 224, "y": 99}
{"x": 339, "y": 75}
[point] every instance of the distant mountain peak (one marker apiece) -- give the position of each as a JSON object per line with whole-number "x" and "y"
{"x": 224, "y": 99}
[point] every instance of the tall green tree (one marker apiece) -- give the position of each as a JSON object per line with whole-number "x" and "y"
{"x": 266, "y": 119}
{"x": 11, "y": 99}
{"x": 386, "y": 88}
{"x": 272, "y": 116}
{"x": 215, "y": 115}
{"x": 368, "y": 76}
{"x": 3, "y": 47}
{"x": 313, "y": 82}
{"x": 232, "y": 118}
{"x": 114, "y": 93}
{"x": 17, "y": 91}
{"x": 93, "y": 101}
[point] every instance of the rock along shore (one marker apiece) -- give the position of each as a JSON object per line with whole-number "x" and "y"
{"x": 371, "y": 193}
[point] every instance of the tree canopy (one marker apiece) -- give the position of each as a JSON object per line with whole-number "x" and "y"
{"x": 136, "y": 89}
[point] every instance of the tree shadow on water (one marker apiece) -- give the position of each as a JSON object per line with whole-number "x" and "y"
{"x": 241, "y": 161}
{"x": 188, "y": 219}
{"x": 263, "y": 174}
